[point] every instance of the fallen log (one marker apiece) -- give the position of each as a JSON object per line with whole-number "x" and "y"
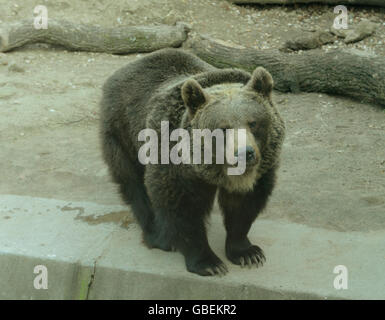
{"x": 349, "y": 73}
{"x": 379, "y": 3}
{"x": 80, "y": 37}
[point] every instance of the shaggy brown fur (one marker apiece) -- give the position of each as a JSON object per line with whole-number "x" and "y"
{"x": 171, "y": 201}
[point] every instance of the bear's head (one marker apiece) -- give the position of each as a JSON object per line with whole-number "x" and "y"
{"x": 227, "y": 108}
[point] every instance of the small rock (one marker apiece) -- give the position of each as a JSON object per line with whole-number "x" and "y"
{"x": 7, "y": 93}
{"x": 172, "y": 18}
{"x": 132, "y": 6}
{"x": 13, "y": 67}
{"x": 364, "y": 29}
{"x": 3, "y": 59}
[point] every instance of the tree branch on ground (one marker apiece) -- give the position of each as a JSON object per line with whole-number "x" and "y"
{"x": 379, "y": 3}
{"x": 349, "y": 73}
{"x": 119, "y": 40}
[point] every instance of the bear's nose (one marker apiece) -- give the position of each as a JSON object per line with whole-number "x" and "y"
{"x": 248, "y": 152}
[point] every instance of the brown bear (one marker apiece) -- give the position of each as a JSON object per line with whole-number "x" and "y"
{"x": 172, "y": 201}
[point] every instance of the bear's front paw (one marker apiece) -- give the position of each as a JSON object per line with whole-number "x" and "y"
{"x": 209, "y": 266}
{"x": 250, "y": 256}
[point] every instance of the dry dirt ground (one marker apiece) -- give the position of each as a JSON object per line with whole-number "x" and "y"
{"x": 333, "y": 166}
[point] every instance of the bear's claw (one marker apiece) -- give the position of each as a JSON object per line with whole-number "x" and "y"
{"x": 209, "y": 267}
{"x": 252, "y": 256}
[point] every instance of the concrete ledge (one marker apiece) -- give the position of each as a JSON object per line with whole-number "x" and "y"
{"x": 95, "y": 252}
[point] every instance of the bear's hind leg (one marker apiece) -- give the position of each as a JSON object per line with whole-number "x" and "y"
{"x": 128, "y": 173}
{"x": 240, "y": 210}
{"x": 159, "y": 237}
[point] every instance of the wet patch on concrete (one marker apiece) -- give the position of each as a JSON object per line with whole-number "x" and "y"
{"x": 122, "y": 218}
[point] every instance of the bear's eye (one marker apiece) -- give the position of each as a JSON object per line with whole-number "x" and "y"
{"x": 252, "y": 124}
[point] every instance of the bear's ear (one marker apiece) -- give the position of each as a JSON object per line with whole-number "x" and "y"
{"x": 193, "y": 95}
{"x": 261, "y": 81}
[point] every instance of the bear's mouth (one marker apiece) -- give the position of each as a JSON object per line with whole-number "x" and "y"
{"x": 248, "y": 170}
{"x": 243, "y": 182}
{"x": 250, "y": 164}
